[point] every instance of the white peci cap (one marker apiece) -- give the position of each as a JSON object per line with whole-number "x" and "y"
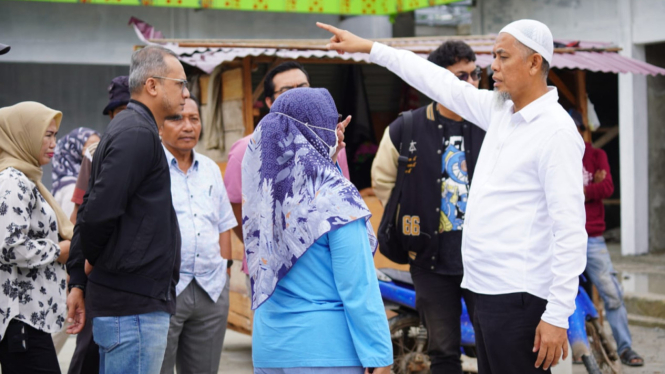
{"x": 533, "y": 34}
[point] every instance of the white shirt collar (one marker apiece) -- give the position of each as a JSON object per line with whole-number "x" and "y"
{"x": 531, "y": 111}
{"x": 173, "y": 162}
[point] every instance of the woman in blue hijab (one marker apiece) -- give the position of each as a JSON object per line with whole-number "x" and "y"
{"x": 309, "y": 246}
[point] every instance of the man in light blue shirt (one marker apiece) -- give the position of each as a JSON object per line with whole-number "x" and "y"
{"x": 197, "y": 330}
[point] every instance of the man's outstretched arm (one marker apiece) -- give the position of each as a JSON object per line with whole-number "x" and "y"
{"x": 432, "y": 80}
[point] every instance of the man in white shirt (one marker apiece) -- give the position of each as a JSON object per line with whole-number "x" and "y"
{"x": 524, "y": 241}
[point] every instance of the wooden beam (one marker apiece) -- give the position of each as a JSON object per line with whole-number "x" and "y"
{"x": 258, "y": 91}
{"x": 563, "y": 89}
{"x": 248, "y": 104}
{"x": 607, "y": 137}
{"x": 580, "y": 83}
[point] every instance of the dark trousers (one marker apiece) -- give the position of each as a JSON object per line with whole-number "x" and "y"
{"x": 505, "y": 327}
{"x": 26, "y": 350}
{"x": 86, "y": 355}
{"x": 438, "y": 300}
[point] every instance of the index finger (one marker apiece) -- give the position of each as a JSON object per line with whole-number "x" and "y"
{"x": 328, "y": 27}
{"x": 346, "y": 122}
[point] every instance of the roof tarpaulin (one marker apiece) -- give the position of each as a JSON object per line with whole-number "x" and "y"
{"x": 207, "y": 54}
{"x": 342, "y": 7}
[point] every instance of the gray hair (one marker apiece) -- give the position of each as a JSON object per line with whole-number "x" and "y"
{"x": 526, "y": 51}
{"x": 147, "y": 62}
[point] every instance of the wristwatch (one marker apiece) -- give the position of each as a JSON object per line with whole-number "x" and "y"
{"x": 79, "y": 286}
{"x": 229, "y": 263}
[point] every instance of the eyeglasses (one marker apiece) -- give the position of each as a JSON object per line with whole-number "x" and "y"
{"x": 475, "y": 75}
{"x": 183, "y": 82}
{"x": 286, "y": 88}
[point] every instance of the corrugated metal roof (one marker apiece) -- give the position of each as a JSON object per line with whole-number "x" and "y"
{"x": 207, "y": 54}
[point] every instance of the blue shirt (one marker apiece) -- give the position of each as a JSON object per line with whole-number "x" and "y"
{"x": 204, "y": 211}
{"x": 327, "y": 311}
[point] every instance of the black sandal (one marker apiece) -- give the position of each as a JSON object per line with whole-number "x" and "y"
{"x": 628, "y": 356}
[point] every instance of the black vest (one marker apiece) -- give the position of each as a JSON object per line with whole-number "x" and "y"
{"x": 421, "y": 191}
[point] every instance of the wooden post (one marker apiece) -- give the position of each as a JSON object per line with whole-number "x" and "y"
{"x": 484, "y": 80}
{"x": 580, "y": 82}
{"x": 248, "y": 104}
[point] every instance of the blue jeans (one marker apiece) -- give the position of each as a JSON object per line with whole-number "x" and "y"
{"x": 601, "y": 273}
{"x": 131, "y": 344}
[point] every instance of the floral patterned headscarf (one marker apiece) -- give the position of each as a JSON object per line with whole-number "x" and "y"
{"x": 68, "y": 157}
{"x": 292, "y": 192}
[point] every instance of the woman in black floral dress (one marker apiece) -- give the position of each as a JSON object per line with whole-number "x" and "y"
{"x": 34, "y": 237}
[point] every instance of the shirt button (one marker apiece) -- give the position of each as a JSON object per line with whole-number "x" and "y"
{"x": 197, "y": 255}
{"x": 192, "y": 196}
{"x": 440, "y": 126}
{"x": 464, "y": 126}
{"x": 433, "y": 257}
{"x": 437, "y": 209}
{"x": 438, "y": 180}
{"x": 439, "y": 151}
{"x": 199, "y": 234}
{"x": 432, "y": 268}
{"x": 194, "y": 214}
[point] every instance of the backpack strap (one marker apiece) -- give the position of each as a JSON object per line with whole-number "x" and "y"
{"x": 407, "y": 133}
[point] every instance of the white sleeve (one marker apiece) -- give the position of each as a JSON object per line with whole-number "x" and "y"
{"x": 384, "y": 168}
{"x": 560, "y": 174}
{"x": 437, "y": 83}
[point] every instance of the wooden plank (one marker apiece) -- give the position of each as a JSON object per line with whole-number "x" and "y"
{"x": 204, "y": 81}
{"x": 380, "y": 261}
{"x": 239, "y": 303}
{"x": 607, "y": 137}
{"x": 563, "y": 89}
{"x": 239, "y": 323}
{"x": 259, "y": 89}
{"x": 248, "y": 104}
{"x": 580, "y": 83}
{"x": 232, "y": 88}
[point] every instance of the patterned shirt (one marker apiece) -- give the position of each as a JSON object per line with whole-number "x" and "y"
{"x": 33, "y": 283}
{"x": 204, "y": 211}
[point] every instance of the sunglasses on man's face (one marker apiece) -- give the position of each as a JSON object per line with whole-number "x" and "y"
{"x": 475, "y": 75}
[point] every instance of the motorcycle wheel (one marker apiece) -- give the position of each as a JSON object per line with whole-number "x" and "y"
{"x": 600, "y": 355}
{"x": 403, "y": 334}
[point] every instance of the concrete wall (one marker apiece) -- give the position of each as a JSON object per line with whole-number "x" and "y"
{"x": 98, "y": 34}
{"x": 655, "y": 54}
{"x": 78, "y": 91}
{"x": 65, "y": 55}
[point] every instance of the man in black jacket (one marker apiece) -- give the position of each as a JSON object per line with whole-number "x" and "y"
{"x": 442, "y": 157}
{"x": 127, "y": 228}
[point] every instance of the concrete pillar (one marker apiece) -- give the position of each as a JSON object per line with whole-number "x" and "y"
{"x": 633, "y": 145}
{"x": 404, "y": 25}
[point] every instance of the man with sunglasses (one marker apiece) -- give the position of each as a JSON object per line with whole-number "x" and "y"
{"x": 442, "y": 155}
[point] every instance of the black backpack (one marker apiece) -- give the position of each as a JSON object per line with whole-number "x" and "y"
{"x": 390, "y": 243}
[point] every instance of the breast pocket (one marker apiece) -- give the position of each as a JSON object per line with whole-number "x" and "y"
{"x": 206, "y": 203}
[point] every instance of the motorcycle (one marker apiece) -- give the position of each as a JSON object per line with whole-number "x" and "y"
{"x": 590, "y": 342}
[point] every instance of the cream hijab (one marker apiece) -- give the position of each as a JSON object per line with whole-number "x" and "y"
{"x": 22, "y": 129}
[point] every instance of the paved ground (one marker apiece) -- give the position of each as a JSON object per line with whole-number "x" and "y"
{"x": 647, "y": 275}
{"x": 237, "y": 354}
